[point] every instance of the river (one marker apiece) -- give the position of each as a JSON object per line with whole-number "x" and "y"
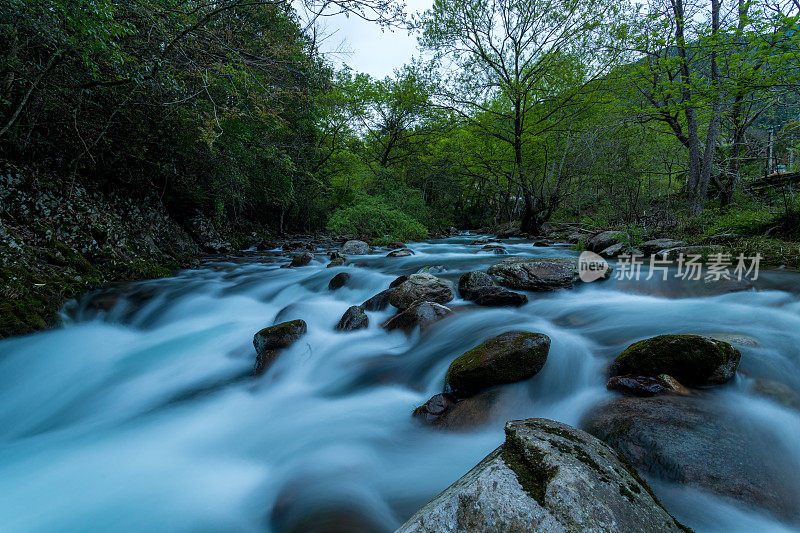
{"x": 145, "y": 416}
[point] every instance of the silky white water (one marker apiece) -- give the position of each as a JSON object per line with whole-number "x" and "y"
{"x": 145, "y": 416}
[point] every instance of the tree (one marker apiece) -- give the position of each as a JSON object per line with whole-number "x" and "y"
{"x": 513, "y": 57}
{"x": 699, "y": 69}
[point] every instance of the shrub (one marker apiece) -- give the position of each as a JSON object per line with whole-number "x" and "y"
{"x": 371, "y": 219}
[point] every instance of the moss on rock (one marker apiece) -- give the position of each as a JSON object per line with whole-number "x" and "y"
{"x": 279, "y": 336}
{"x": 508, "y": 358}
{"x": 692, "y": 359}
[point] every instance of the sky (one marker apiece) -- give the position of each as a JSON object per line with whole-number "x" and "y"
{"x": 366, "y": 48}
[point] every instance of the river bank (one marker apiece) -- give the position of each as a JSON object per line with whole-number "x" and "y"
{"x": 58, "y": 241}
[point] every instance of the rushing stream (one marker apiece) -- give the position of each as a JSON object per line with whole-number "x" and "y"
{"x": 144, "y": 415}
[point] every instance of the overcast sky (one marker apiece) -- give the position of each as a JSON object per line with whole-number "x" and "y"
{"x": 366, "y": 48}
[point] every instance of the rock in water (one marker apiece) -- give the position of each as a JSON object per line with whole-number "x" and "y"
{"x": 355, "y": 248}
{"x": 603, "y": 240}
{"x": 403, "y": 252}
{"x": 636, "y": 385}
{"x": 420, "y": 314}
{"x": 336, "y": 261}
{"x": 379, "y": 302}
{"x": 691, "y": 359}
{"x": 354, "y": 318}
{"x": 431, "y": 410}
{"x": 777, "y": 392}
{"x": 398, "y": 281}
{"x": 339, "y": 280}
{"x": 471, "y": 282}
{"x": 432, "y": 269}
{"x": 280, "y": 335}
{"x": 421, "y": 287}
{"x": 693, "y": 441}
{"x": 493, "y": 249}
{"x": 269, "y": 341}
{"x": 481, "y": 288}
{"x": 264, "y": 360}
{"x": 301, "y": 259}
{"x": 545, "y": 274}
{"x": 463, "y": 413}
{"x": 548, "y": 477}
{"x": 507, "y": 358}
{"x": 500, "y": 297}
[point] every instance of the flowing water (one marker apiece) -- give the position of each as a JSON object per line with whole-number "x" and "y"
{"x": 140, "y": 412}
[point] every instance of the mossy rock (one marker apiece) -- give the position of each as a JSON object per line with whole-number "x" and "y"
{"x": 279, "y": 336}
{"x": 508, "y": 358}
{"x": 547, "y": 476}
{"x": 692, "y": 359}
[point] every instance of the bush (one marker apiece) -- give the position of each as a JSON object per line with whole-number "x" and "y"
{"x": 372, "y": 220}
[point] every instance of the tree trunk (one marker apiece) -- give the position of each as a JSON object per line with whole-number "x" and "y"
{"x": 695, "y": 164}
{"x": 713, "y": 125}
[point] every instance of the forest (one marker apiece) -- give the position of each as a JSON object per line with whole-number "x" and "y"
{"x": 598, "y": 112}
{"x": 130, "y": 129}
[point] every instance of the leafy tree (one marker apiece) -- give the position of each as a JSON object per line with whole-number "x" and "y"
{"x": 510, "y": 57}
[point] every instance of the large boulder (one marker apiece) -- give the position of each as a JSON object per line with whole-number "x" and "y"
{"x": 421, "y": 287}
{"x": 691, "y": 359}
{"x": 355, "y": 248}
{"x": 547, "y": 477}
{"x": 420, "y": 314}
{"x": 656, "y": 245}
{"x": 354, "y": 318}
{"x": 692, "y": 441}
{"x": 603, "y": 240}
{"x": 507, "y": 358}
{"x": 544, "y": 274}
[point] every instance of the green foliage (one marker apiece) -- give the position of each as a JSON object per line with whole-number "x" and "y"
{"x": 376, "y": 219}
